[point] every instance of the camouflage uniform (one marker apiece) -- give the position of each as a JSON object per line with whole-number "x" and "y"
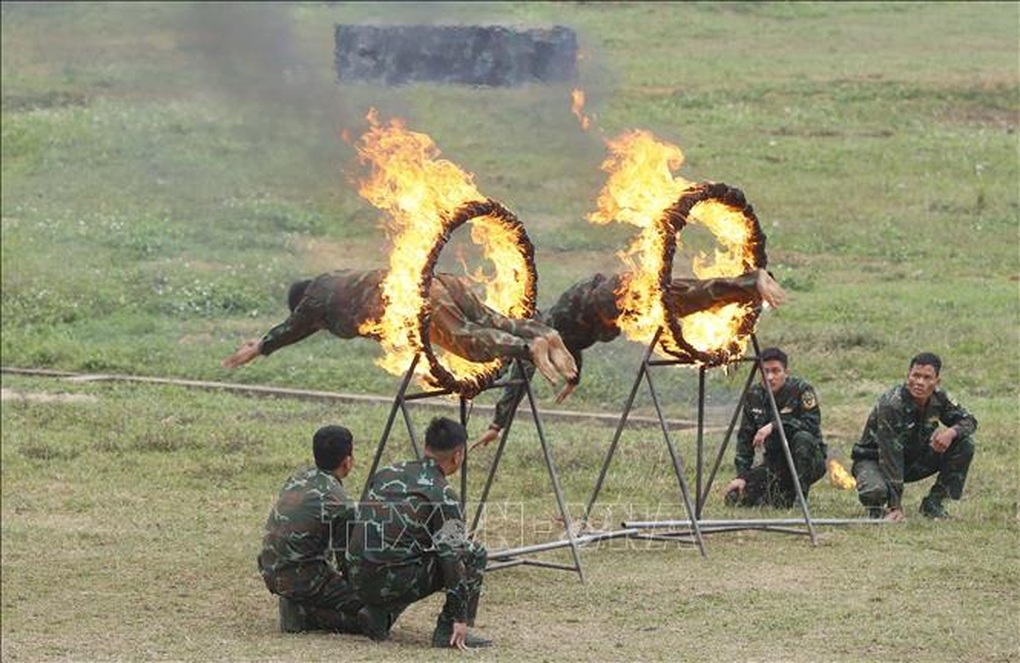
{"x": 894, "y": 448}
{"x": 770, "y": 483}
{"x": 586, "y": 314}
{"x": 410, "y": 541}
{"x": 304, "y": 528}
{"x": 341, "y": 301}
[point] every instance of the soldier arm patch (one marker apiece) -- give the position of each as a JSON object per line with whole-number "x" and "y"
{"x": 808, "y": 400}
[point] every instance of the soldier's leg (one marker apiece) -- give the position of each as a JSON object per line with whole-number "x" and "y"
{"x": 808, "y": 457}
{"x": 334, "y": 607}
{"x": 952, "y": 467}
{"x": 474, "y": 560}
{"x": 755, "y": 493}
{"x": 872, "y": 488}
{"x": 385, "y": 593}
{"x": 312, "y": 597}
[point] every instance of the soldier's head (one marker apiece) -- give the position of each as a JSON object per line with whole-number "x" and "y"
{"x": 297, "y": 293}
{"x": 333, "y": 448}
{"x": 445, "y": 440}
{"x": 773, "y": 364}
{"x": 923, "y": 376}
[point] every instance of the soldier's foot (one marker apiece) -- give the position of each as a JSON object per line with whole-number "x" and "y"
{"x": 539, "y": 349}
{"x": 931, "y": 507}
{"x": 561, "y": 357}
{"x": 876, "y": 512}
{"x": 374, "y": 622}
{"x": 771, "y": 292}
{"x": 292, "y": 616}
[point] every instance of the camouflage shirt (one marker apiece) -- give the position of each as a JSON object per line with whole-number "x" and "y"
{"x": 798, "y": 410}
{"x": 307, "y": 523}
{"x": 342, "y": 301}
{"x": 586, "y": 314}
{"x": 411, "y": 511}
{"x": 898, "y": 429}
{"x": 339, "y": 302}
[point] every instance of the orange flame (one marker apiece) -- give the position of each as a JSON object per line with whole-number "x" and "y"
{"x": 839, "y": 477}
{"x": 577, "y": 108}
{"x": 420, "y": 194}
{"x": 640, "y": 187}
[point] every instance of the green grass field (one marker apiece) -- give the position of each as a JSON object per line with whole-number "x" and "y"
{"x": 169, "y": 168}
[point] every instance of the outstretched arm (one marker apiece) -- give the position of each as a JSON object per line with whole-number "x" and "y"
{"x": 249, "y": 350}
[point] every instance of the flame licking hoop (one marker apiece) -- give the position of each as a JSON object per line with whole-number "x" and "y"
{"x": 752, "y": 252}
{"x": 478, "y": 376}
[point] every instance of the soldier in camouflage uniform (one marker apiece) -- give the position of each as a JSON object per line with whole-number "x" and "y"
{"x": 410, "y": 541}
{"x": 770, "y": 482}
{"x": 903, "y": 442}
{"x": 343, "y": 300}
{"x": 586, "y": 313}
{"x": 305, "y": 527}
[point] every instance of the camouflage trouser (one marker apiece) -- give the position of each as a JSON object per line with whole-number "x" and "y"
{"x": 874, "y": 490}
{"x": 462, "y": 324}
{"x": 318, "y": 588}
{"x": 392, "y": 589}
{"x": 770, "y": 484}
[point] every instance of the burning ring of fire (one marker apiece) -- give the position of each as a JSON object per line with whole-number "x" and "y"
{"x": 477, "y": 376}
{"x": 711, "y": 198}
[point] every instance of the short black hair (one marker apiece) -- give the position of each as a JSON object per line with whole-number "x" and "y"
{"x": 773, "y": 354}
{"x": 330, "y": 446}
{"x": 297, "y": 293}
{"x": 927, "y": 359}
{"x": 445, "y": 434}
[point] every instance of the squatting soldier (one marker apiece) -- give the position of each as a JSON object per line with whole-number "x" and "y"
{"x": 770, "y": 483}
{"x": 587, "y": 312}
{"x": 903, "y": 442}
{"x": 304, "y": 529}
{"x": 343, "y": 301}
{"x": 410, "y": 541}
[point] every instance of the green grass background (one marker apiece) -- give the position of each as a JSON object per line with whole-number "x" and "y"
{"x": 168, "y": 168}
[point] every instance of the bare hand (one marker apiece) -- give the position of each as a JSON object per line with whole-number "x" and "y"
{"x": 762, "y": 435}
{"x": 459, "y": 635}
{"x": 895, "y": 515}
{"x": 248, "y": 351}
{"x": 488, "y": 436}
{"x": 942, "y": 438}
{"x": 737, "y": 485}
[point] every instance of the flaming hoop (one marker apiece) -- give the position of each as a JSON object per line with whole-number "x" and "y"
{"x": 477, "y": 376}
{"x": 717, "y": 336}
{"x": 426, "y": 198}
{"x": 641, "y": 190}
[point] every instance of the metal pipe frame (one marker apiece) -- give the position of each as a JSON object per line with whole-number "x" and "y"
{"x": 643, "y": 372}
{"x": 399, "y": 403}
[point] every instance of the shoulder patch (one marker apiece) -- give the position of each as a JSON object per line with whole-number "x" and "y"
{"x": 808, "y": 399}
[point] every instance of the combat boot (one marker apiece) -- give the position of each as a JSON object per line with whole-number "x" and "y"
{"x": 292, "y": 616}
{"x": 374, "y": 622}
{"x": 931, "y": 507}
{"x": 444, "y": 631}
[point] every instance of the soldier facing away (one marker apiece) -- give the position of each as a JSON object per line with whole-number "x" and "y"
{"x": 770, "y": 483}
{"x": 410, "y": 541}
{"x": 902, "y": 442}
{"x": 304, "y": 529}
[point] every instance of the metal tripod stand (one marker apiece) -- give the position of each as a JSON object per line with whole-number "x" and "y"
{"x": 502, "y": 558}
{"x": 694, "y": 525}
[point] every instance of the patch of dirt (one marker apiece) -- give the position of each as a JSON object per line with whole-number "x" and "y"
{"x": 45, "y": 397}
